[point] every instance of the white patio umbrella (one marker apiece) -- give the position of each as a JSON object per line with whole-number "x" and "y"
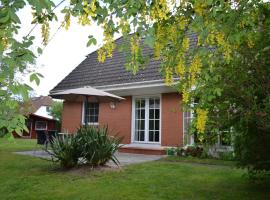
{"x": 86, "y": 94}
{"x": 89, "y": 93}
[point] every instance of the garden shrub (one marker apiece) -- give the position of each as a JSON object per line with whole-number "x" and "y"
{"x": 170, "y": 151}
{"x": 226, "y": 155}
{"x": 98, "y": 147}
{"x": 3, "y": 132}
{"x": 179, "y": 151}
{"x": 253, "y": 150}
{"x": 194, "y": 151}
{"x": 65, "y": 150}
{"x": 91, "y": 145}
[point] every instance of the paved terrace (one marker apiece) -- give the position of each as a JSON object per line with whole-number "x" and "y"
{"x": 124, "y": 158}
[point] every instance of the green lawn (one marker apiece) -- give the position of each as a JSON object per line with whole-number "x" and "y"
{"x": 24, "y": 177}
{"x": 198, "y": 161}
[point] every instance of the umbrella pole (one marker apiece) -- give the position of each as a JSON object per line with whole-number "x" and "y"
{"x": 85, "y": 109}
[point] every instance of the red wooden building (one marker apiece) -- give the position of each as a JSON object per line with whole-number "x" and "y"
{"x": 38, "y": 118}
{"x": 39, "y": 123}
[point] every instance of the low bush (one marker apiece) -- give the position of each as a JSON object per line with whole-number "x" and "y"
{"x": 170, "y": 151}
{"x": 226, "y": 155}
{"x": 65, "y": 150}
{"x": 3, "y": 132}
{"x": 91, "y": 145}
{"x": 98, "y": 147}
{"x": 194, "y": 151}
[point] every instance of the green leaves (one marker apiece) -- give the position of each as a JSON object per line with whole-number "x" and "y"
{"x": 36, "y": 77}
{"x": 39, "y": 50}
{"x": 16, "y": 55}
{"x": 90, "y": 145}
{"x": 91, "y": 41}
{"x": 56, "y": 110}
{"x": 4, "y": 15}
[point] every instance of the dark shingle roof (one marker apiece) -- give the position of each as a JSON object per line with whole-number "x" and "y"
{"x": 91, "y": 72}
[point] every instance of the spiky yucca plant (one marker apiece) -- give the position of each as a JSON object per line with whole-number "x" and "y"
{"x": 66, "y": 150}
{"x": 97, "y": 145}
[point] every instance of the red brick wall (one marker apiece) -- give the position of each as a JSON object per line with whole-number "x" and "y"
{"x": 172, "y": 120}
{"x": 71, "y": 116}
{"x": 118, "y": 119}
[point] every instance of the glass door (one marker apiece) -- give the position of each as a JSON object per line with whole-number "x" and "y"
{"x": 140, "y": 120}
{"x": 154, "y": 119}
{"x": 147, "y": 120}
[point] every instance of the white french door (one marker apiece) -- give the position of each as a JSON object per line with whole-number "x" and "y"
{"x": 146, "y": 119}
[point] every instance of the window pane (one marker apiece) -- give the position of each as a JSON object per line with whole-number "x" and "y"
{"x": 96, "y": 119}
{"x": 142, "y": 124}
{"x": 151, "y": 103}
{"x": 41, "y": 125}
{"x": 151, "y": 136}
{"x": 187, "y": 114}
{"x": 142, "y": 103}
{"x": 137, "y": 135}
{"x": 156, "y": 124}
{"x": 156, "y": 136}
{"x": 137, "y": 114}
{"x": 136, "y": 124}
{"x": 92, "y": 112}
{"x": 151, "y": 114}
{"x": 157, "y": 101}
{"x": 156, "y": 113}
{"x": 151, "y": 124}
{"x": 138, "y": 104}
{"x": 92, "y": 119}
{"x": 141, "y": 135}
{"x": 142, "y": 116}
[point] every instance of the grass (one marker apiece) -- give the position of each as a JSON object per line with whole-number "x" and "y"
{"x": 205, "y": 161}
{"x": 24, "y": 177}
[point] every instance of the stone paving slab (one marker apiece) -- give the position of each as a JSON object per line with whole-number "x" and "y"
{"x": 124, "y": 158}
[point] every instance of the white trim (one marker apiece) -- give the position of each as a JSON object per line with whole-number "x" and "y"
{"x": 183, "y": 121}
{"x": 146, "y": 97}
{"x": 144, "y": 146}
{"x": 125, "y": 86}
{"x": 160, "y": 117}
{"x": 116, "y": 85}
{"x": 132, "y": 120}
{"x": 146, "y": 128}
{"x": 129, "y": 86}
{"x": 132, "y": 83}
{"x": 190, "y": 138}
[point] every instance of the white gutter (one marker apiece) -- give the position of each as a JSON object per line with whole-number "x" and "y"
{"x": 126, "y": 86}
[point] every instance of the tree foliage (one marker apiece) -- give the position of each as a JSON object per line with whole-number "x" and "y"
{"x": 15, "y": 57}
{"x": 56, "y": 110}
{"x": 215, "y": 53}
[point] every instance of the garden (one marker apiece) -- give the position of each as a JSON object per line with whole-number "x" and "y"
{"x": 25, "y": 177}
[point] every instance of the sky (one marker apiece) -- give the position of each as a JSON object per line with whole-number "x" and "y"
{"x": 65, "y": 51}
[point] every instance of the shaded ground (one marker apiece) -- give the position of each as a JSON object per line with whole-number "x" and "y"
{"x": 124, "y": 158}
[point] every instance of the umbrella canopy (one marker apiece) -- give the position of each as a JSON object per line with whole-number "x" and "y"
{"x": 89, "y": 93}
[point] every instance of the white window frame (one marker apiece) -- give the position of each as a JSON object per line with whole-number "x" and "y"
{"x": 38, "y": 129}
{"x": 146, "y": 136}
{"x": 83, "y": 112}
{"x": 191, "y": 137}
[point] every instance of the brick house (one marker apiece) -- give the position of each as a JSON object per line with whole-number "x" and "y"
{"x": 150, "y": 117}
